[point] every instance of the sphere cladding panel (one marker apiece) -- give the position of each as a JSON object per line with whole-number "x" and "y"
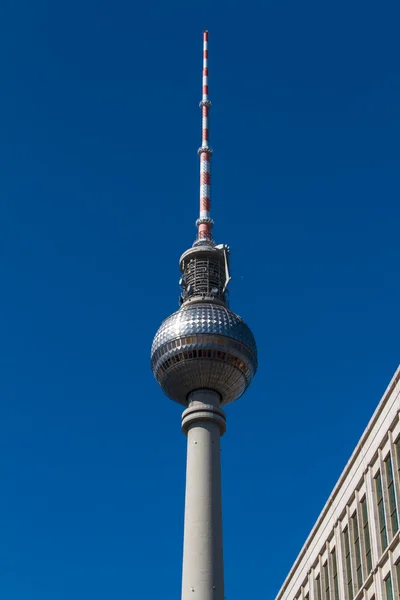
{"x": 204, "y": 318}
{"x": 181, "y": 364}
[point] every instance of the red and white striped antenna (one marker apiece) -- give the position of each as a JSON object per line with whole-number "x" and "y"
{"x": 204, "y": 223}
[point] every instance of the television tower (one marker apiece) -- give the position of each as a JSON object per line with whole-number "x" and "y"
{"x": 204, "y": 356}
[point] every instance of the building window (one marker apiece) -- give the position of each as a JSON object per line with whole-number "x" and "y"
{"x": 347, "y": 558}
{"x": 381, "y": 512}
{"x": 357, "y": 551}
{"x": 367, "y": 539}
{"x": 318, "y": 592}
{"x": 391, "y": 495}
{"x": 397, "y": 567}
{"x": 326, "y": 582}
{"x": 334, "y": 575}
{"x": 388, "y": 588}
{"x": 397, "y": 446}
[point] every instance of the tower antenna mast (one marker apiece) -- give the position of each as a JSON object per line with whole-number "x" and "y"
{"x": 204, "y": 222}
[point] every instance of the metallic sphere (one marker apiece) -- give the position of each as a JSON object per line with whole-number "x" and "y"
{"x": 204, "y": 345}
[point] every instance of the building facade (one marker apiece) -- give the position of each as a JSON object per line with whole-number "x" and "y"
{"x": 353, "y": 550}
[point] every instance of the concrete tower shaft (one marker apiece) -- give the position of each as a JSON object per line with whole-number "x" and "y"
{"x": 203, "y": 566}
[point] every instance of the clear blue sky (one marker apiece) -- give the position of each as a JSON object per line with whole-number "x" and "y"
{"x": 99, "y": 190}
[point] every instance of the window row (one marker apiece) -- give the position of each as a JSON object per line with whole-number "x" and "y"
{"x": 326, "y": 585}
{"x": 210, "y": 340}
{"x": 213, "y": 354}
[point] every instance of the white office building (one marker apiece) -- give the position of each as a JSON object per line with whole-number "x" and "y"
{"x": 353, "y": 550}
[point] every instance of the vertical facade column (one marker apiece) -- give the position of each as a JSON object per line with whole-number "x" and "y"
{"x": 203, "y": 422}
{"x": 373, "y": 517}
{"x": 340, "y": 560}
{"x": 329, "y": 570}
